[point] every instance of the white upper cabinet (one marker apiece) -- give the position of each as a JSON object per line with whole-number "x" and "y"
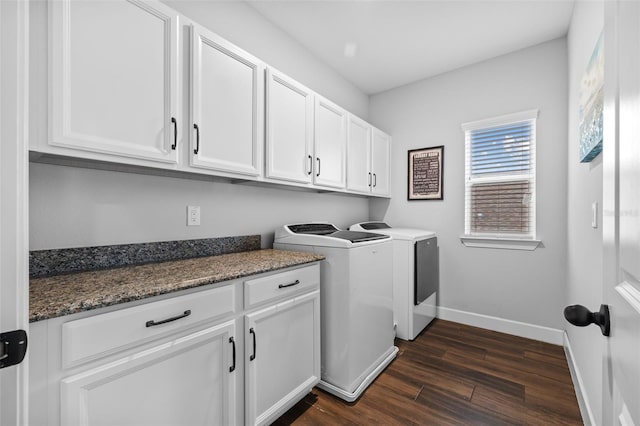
{"x": 359, "y": 176}
{"x": 289, "y": 129}
{"x": 367, "y": 158}
{"x": 380, "y": 146}
{"x": 227, "y": 95}
{"x": 330, "y": 143}
{"x": 114, "y": 78}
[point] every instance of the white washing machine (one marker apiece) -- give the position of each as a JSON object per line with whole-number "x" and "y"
{"x": 415, "y": 276}
{"x": 356, "y": 300}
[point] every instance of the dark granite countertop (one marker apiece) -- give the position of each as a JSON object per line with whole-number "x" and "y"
{"x": 60, "y": 295}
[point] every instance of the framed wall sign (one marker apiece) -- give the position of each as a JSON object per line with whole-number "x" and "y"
{"x": 425, "y": 173}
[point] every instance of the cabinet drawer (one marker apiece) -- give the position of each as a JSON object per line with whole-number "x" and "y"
{"x": 280, "y": 285}
{"x": 100, "y": 335}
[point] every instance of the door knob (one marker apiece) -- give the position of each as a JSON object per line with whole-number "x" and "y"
{"x": 581, "y": 316}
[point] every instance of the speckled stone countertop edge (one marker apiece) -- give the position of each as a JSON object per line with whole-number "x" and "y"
{"x": 57, "y": 296}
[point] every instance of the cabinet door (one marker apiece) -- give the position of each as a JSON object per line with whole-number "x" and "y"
{"x": 186, "y": 381}
{"x": 227, "y": 91}
{"x": 282, "y": 357}
{"x": 330, "y": 143}
{"x": 359, "y": 176}
{"x": 380, "y": 144}
{"x": 114, "y": 78}
{"x": 289, "y": 129}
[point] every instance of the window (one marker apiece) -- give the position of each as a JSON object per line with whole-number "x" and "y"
{"x": 500, "y": 177}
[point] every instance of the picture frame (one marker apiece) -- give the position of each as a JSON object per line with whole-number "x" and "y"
{"x": 592, "y": 105}
{"x": 425, "y": 173}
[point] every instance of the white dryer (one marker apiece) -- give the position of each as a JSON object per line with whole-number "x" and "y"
{"x": 356, "y": 302}
{"x": 415, "y": 276}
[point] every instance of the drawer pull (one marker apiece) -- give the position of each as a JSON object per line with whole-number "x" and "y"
{"x": 154, "y": 323}
{"x": 233, "y": 342}
{"x": 296, "y": 282}
{"x": 253, "y": 356}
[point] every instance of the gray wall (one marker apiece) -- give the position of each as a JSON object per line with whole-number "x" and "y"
{"x": 584, "y": 244}
{"x": 72, "y": 207}
{"x": 525, "y": 286}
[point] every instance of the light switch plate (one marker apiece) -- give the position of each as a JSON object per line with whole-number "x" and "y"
{"x": 594, "y": 215}
{"x": 193, "y": 215}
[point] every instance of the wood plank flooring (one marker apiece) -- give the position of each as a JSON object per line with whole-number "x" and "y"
{"x": 453, "y": 374}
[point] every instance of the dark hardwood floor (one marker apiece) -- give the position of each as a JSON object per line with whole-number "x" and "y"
{"x": 453, "y": 374}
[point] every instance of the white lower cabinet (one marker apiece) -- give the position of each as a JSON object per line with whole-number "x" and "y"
{"x": 182, "y": 360}
{"x": 283, "y": 356}
{"x": 189, "y": 380}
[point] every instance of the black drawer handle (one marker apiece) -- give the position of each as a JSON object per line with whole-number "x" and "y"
{"x": 253, "y": 356}
{"x": 233, "y": 342}
{"x": 369, "y": 179}
{"x": 318, "y": 174}
{"x": 153, "y": 323}
{"x": 310, "y": 165}
{"x": 296, "y": 282}
{"x": 175, "y": 133}
{"x": 375, "y": 180}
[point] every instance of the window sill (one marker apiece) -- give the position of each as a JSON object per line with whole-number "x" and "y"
{"x": 499, "y": 243}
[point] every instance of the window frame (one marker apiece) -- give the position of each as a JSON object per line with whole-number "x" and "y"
{"x": 504, "y": 240}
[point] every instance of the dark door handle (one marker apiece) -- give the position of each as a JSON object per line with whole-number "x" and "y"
{"x": 175, "y": 133}
{"x": 318, "y": 174}
{"x": 369, "y": 179}
{"x": 296, "y": 282}
{"x": 195, "y": 126}
{"x": 375, "y": 180}
{"x": 153, "y": 323}
{"x": 310, "y": 165}
{"x": 253, "y": 356}
{"x": 233, "y": 342}
{"x": 581, "y": 316}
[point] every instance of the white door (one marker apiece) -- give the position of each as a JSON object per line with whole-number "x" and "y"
{"x": 282, "y": 345}
{"x": 621, "y": 217}
{"x": 380, "y": 145}
{"x": 330, "y": 144}
{"x": 190, "y": 380}
{"x": 227, "y": 94}
{"x": 289, "y": 129}
{"x": 14, "y": 213}
{"x": 359, "y": 176}
{"x": 114, "y": 74}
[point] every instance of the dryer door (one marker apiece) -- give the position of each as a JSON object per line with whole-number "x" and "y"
{"x": 426, "y": 269}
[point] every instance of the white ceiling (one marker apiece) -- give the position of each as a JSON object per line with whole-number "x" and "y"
{"x": 381, "y": 44}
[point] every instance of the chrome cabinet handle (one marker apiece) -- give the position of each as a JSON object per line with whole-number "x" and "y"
{"x": 175, "y": 133}
{"x": 375, "y": 180}
{"x": 253, "y": 356}
{"x": 296, "y": 282}
{"x": 369, "y": 179}
{"x": 310, "y": 165}
{"x": 233, "y": 342}
{"x": 195, "y": 126}
{"x": 153, "y": 323}
{"x": 318, "y": 174}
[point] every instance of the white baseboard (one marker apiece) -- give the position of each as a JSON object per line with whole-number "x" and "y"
{"x": 529, "y": 331}
{"x": 578, "y": 384}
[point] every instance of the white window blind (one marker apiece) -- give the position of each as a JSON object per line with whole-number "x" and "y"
{"x": 500, "y": 176}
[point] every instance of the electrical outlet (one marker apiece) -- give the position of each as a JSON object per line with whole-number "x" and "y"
{"x": 193, "y": 215}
